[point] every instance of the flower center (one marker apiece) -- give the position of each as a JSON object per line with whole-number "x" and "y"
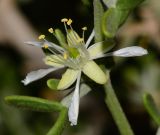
{"x": 74, "y": 54}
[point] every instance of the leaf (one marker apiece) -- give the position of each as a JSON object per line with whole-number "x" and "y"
{"x": 151, "y": 108}
{"x": 98, "y": 13}
{"x": 128, "y": 4}
{"x": 113, "y": 18}
{"x": 33, "y": 103}
{"x": 110, "y": 3}
{"x": 58, "y": 127}
{"x": 84, "y": 89}
{"x": 53, "y": 83}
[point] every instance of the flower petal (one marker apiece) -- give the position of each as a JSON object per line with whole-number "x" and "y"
{"x": 130, "y": 51}
{"x": 35, "y": 75}
{"x": 52, "y": 60}
{"x": 93, "y": 71}
{"x": 84, "y": 90}
{"x": 100, "y": 48}
{"x": 74, "y": 106}
{"x": 68, "y": 78}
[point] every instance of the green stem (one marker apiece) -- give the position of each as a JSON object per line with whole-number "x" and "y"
{"x": 58, "y": 127}
{"x": 116, "y": 110}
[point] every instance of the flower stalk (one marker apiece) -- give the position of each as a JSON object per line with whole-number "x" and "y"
{"x": 116, "y": 110}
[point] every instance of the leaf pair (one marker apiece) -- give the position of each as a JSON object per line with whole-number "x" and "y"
{"x": 117, "y": 13}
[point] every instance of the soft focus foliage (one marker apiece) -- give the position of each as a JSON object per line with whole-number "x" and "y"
{"x": 131, "y": 77}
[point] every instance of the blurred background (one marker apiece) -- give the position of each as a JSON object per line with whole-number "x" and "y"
{"x": 24, "y": 20}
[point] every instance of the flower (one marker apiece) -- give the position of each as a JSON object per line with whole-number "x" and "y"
{"x": 78, "y": 57}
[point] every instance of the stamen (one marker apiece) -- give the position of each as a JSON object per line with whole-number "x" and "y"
{"x": 45, "y": 46}
{"x": 50, "y": 30}
{"x": 41, "y": 37}
{"x": 65, "y": 56}
{"x": 64, "y": 20}
{"x": 69, "y": 22}
{"x": 80, "y": 40}
{"x": 84, "y": 28}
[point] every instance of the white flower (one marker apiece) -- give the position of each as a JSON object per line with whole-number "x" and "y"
{"x": 78, "y": 57}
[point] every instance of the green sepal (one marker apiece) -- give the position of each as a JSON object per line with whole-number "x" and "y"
{"x": 151, "y": 108}
{"x": 61, "y": 38}
{"x": 53, "y": 83}
{"x": 34, "y": 104}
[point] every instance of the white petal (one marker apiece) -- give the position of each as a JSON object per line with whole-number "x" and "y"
{"x": 35, "y": 75}
{"x": 90, "y": 39}
{"x": 130, "y": 52}
{"x": 74, "y": 106}
{"x": 84, "y": 90}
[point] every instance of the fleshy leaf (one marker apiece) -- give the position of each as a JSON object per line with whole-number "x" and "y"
{"x": 128, "y": 4}
{"x": 60, "y": 124}
{"x": 100, "y": 48}
{"x": 113, "y": 18}
{"x": 68, "y": 78}
{"x": 33, "y": 103}
{"x": 53, "y": 83}
{"x": 151, "y": 108}
{"x": 84, "y": 89}
{"x": 93, "y": 71}
{"x": 35, "y": 75}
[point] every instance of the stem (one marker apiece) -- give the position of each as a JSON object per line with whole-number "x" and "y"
{"x": 58, "y": 127}
{"x": 116, "y": 110}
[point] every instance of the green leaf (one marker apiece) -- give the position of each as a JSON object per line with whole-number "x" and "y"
{"x": 53, "y": 83}
{"x": 33, "y": 103}
{"x": 113, "y": 18}
{"x": 58, "y": 127}
{"x": 110, "y": 3}
{"x": 128, "y": 4}
{"x": 151, "y": 108}
{"x": 98, "y": 13}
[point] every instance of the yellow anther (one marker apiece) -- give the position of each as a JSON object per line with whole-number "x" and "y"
{"x": 84, "y": 28}
{"x": 69, "y": 22}
{"x": 50, "y": 30}
{"x": 45, "y": 46}
{"x": 65, "y": 56}
{"x": 41, "y": 37}
{"x": 80, "y": 40}
{"x": 64, "y": 20}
